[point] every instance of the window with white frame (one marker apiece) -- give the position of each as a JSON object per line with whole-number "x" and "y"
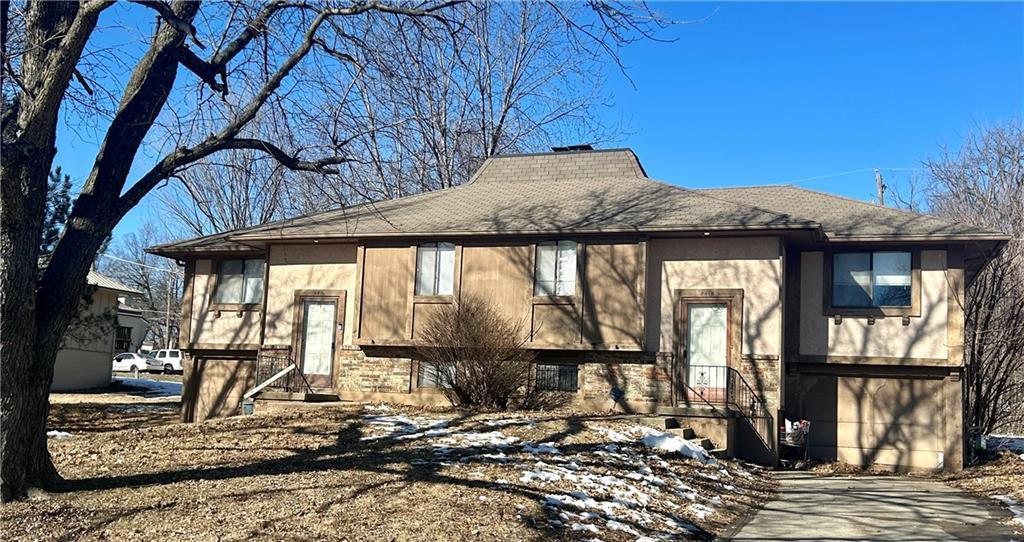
{"x": 239, "y": 282}
{"x": 435, "y": 269}
{"x": 871, "y": 279}
{"x": 555, "y": 272}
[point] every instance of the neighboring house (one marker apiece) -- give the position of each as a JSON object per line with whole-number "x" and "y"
{"x": 88, "y": 349}
{"x": 131, "y": 328}
{"x": 735, "y": 308}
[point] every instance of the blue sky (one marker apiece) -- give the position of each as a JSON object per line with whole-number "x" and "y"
{"x": 772, "y": 93}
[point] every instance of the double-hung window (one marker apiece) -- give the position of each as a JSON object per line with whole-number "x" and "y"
{"x": 555, "y": 272}
{"x": 871, "y": 279}
{"x": 435, "y": 269}
{"x": 239, "y": 282}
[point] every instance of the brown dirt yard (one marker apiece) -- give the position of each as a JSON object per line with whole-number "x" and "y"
{"x": 349, "y": 472}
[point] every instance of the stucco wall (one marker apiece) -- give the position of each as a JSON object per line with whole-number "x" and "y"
{"x": 87, "y": 352}
{"x": 307, "y": 267}
{"x": 81, "y": 369}
{"x": 230, "y": 327}
{"x": 750, "y": 264}
{"x": 924, "y": 337}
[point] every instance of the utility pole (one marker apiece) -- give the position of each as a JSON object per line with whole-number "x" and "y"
{"x": 880, "y": 185}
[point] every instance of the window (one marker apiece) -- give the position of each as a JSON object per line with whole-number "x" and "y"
{"x": 239, "y": 282}
{"x": 555, "y": 273}
{"x": 428, "y": 376}
{"x": 558, "y": 377}
{"x": 123, "y": 339}
{"x": 435, "y": 268}
{"x": 871, "y": 279}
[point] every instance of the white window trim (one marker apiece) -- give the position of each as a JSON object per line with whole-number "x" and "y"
{"x": 537, "y": 291}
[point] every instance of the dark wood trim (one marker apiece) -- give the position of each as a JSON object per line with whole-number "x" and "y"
{"x": 357, "y": 318}
{"x": 873, "y": 360}
{"x": 187, "y": 298}
{"x": 915, "y": 285}
{"x": 955, "y": 297}
{"x": 236, "y": 307}
{"x": 433, "y": 299}
{"x": 733, "y": 299}
{"x": 298, "y": 304}
{"x": 222, "y": 346}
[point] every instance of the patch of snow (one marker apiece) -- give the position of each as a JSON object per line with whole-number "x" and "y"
{"x": 377, "y": 408}
{"x": 1015, "y": 508}
{"x": 542, "y": 448}
{"x": 668, "y": 442}
{"x": 152, "y": 388}
{"x": 619, "y": 526}
{"x": 585, "y": 527}
{"x": 510, "y": 421}
{"x": 58, "y": 434}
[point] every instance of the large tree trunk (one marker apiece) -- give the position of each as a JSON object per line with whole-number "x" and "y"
{"x": 54, "y": 31}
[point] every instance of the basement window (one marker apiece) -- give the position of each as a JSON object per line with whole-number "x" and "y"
{"x": 239, "y": 282}
{"x": 871, "y": 279}
{"x": 560, "y": 377}
{"x": 555, "y": 272}
{"x": 435, "y": 269}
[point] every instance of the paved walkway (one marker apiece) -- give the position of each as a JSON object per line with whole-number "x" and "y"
{"x": 813, "y": 507}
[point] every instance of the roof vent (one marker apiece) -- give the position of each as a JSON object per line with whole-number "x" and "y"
{"x": 573, "y": 148}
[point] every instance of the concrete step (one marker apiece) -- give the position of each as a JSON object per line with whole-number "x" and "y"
{"x": 660, "y": 422}
{"x": 305, "y": 397}
{"x": 703, "y": 443}
{"x": 719, "y": 453}
{"x": 685, "y": 432}
{"x": 693, "y": 412}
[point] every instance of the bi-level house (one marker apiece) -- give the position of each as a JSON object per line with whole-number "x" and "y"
{"x": 735, "y": 308}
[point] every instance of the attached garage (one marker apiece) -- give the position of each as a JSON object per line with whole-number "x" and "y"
{"x": 902, "y": 418}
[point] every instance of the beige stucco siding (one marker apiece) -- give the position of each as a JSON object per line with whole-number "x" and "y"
{"x": 309, "y": 268}
{"x": 924, "y": 337}
{"x": 87, "y": 350}
{"x": 751, "y": 264}
{"x": 209, "y": 328}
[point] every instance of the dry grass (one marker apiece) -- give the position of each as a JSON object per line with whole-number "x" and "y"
{"x": 136, "y": 474}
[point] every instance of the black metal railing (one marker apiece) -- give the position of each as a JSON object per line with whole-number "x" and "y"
{"x": 721, "y": 386}
{"x": 268, "y": 365}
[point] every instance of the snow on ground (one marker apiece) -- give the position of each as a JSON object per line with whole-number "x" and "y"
{"x": 622, "y": 487}
{"x": 58, "y": 434}
{"x": 1016, "y": 508}
{"x": 152, "y": 388}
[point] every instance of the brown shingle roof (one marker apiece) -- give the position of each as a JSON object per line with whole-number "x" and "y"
{"x": 584, "y": 192}
{"x": 842, "y": 217}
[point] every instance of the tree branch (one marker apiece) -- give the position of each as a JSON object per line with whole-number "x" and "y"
{"x": 168, "y": 15}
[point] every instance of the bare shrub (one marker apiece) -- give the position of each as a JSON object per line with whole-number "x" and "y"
{"x": 478, "y": 355}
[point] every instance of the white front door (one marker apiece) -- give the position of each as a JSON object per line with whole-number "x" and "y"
{"x": 318, "y": 338}
{"x": 707, "y": 347}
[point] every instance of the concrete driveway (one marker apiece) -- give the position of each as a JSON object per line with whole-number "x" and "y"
{"x": 813, "y": 507}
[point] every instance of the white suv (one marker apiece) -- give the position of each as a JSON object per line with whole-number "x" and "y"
{"x": 165, "y": 361}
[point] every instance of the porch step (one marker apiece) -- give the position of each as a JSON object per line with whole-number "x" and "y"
{"x": 693, "y": 411}
{"x": 660, "y": 422}
{"x": 719, "y": 453}
{"x": 305, "y": 397}
{"x": 703, "y": 442}
{"x": 685, "y": 432}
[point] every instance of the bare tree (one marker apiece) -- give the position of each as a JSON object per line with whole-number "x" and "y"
{"x": 242, "y": 63}
{"x": 982, "y": 183}
{"x": 476, "y": 356}
{"x": 159, "y": 280}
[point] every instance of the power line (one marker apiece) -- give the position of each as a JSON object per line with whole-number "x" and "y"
{"x": 140, "y": 264}
{"x": 851, "y": 172}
